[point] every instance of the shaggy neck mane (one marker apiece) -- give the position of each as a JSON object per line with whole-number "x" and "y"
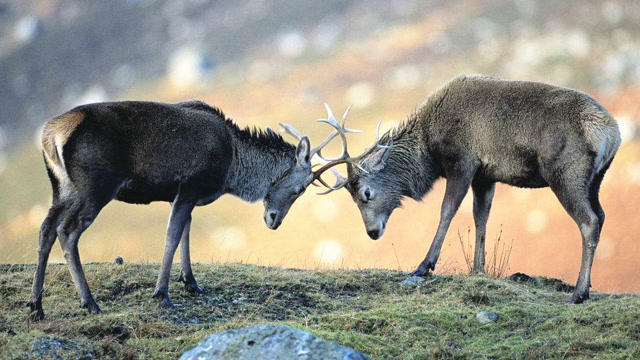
{"x": 259, "y": 159}
{"x": 409, "y": 165}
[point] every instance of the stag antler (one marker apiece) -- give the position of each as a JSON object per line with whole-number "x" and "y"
{"x": 340, "y": 130}
{"x": 343, "y": 158}
{"x": 317, "y": 151}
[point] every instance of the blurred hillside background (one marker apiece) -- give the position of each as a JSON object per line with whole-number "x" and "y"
{"x": 264, "y": 62}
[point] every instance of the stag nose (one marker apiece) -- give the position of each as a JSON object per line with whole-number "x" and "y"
{"x": 374, "y": 234}
{"x": 270, "y": 219}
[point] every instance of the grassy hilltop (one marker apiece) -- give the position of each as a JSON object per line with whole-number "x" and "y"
{"x": 367, "y": 310}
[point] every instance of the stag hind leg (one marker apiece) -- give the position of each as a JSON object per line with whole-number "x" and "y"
{"x": 186, "y": 274}
{"x": 84, "y": 201}
{"x": 77, "y": 220}
{"x": 46, "y": 240}
{"x": 577, "y": 191}
{"x": 594, "y": 195}
{"x": 482, "y": 198}
{"x": 594, "y": 198}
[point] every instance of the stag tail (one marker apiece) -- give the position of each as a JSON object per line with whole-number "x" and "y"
{"x": 602, "y": 133}
{"x": 55, "y": 134}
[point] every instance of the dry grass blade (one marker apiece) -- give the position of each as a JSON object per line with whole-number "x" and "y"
{"x": 466, "y": 251}
{"x": 501, "y": 256}
{"x": 498, "y": 263}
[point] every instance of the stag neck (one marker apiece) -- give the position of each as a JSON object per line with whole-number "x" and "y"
{"x": 409, "y": 165}
{"x": 259, "y": 159}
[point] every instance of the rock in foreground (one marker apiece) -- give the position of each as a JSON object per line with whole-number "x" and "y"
{"x": 486, "y": 317}
{"x": 412, "y": 280}
{"x": 269, "y": 342}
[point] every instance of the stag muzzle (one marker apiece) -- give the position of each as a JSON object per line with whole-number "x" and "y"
{"x": 376, "y": 230}
{"x": 272, "y": 219}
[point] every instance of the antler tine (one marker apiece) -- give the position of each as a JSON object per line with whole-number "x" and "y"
{"x": 344, "y": 116}
{"x": 329, "y": 112}
{"x": 376, "y": 144}
{"x": 317, "y": 150}
{"x": 344, "y": 157}
{"x": 291, "y": 130}
{"x": 338, "y": 176}
{"x": 341, "y": 181}
{"x": 339, "y": 130}
{"x": 327, "y": 166}
{"x": 344, "y": 120}
{"x": 378, "y": 136}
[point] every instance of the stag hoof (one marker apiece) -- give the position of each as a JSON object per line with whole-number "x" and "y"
{"x": 91, "y": 305}
{"x": 36, "y": 314}
{"x": 424, "y": 267}
{"x": 420, "y": 272}
{"x": 190, "y": 283}
{"x": 193, "y": 288}
{"x": 163, "y": 299}
{"x": 578, "y": 298}
{"x": 166, "y": 303}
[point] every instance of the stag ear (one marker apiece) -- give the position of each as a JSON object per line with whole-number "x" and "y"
{"x": 303, "y": 153}
{"x": 377, "y": 159}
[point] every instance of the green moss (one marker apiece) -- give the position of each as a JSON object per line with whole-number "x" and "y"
{"x": 367, "y": 310}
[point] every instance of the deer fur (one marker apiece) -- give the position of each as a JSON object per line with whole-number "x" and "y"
{"x": 476, "y": 131}
{"x": 188, "y": 154}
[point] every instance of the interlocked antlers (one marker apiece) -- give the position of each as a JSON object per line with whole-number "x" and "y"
{"x": 344, "y": 157}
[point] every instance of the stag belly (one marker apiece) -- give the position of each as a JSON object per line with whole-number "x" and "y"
{"x": 141, "y": 192}
{"x": 144, "y": 191}
{"x": 515, "y": 169}
{"x": 159, "y": 177}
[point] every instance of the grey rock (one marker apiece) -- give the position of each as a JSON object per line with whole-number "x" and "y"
{"x": 269, "y": 342}
{"x": 486, "y": 317}
{"x": 412, "y": 280}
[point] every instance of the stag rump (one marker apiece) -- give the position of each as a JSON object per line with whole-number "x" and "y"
{"x": 188, "y": 154}
{"x": 476, "y": 131}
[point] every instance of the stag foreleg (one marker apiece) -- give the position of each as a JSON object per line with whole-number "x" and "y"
{"x": 186, "y": 274}
{"x": 456, "y": 189}
{"x": 180, "y": 213}
{"x": 482, "y": 198}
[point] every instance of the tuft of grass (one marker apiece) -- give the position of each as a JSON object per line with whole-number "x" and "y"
{"x": 498, "y": 263}
{"x": 367, "y": 310}
{"x": 467, "y": 250}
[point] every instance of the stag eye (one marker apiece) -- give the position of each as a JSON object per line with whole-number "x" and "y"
{"x": 365, "y": 195}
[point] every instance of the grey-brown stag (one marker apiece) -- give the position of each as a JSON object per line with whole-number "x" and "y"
{"x": 476, "y": 131}
{"x": 188, "y": 154}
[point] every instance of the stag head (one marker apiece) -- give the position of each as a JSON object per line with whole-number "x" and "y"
{"x": 284, "y": 191}
{"x": 371, "y": 188}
